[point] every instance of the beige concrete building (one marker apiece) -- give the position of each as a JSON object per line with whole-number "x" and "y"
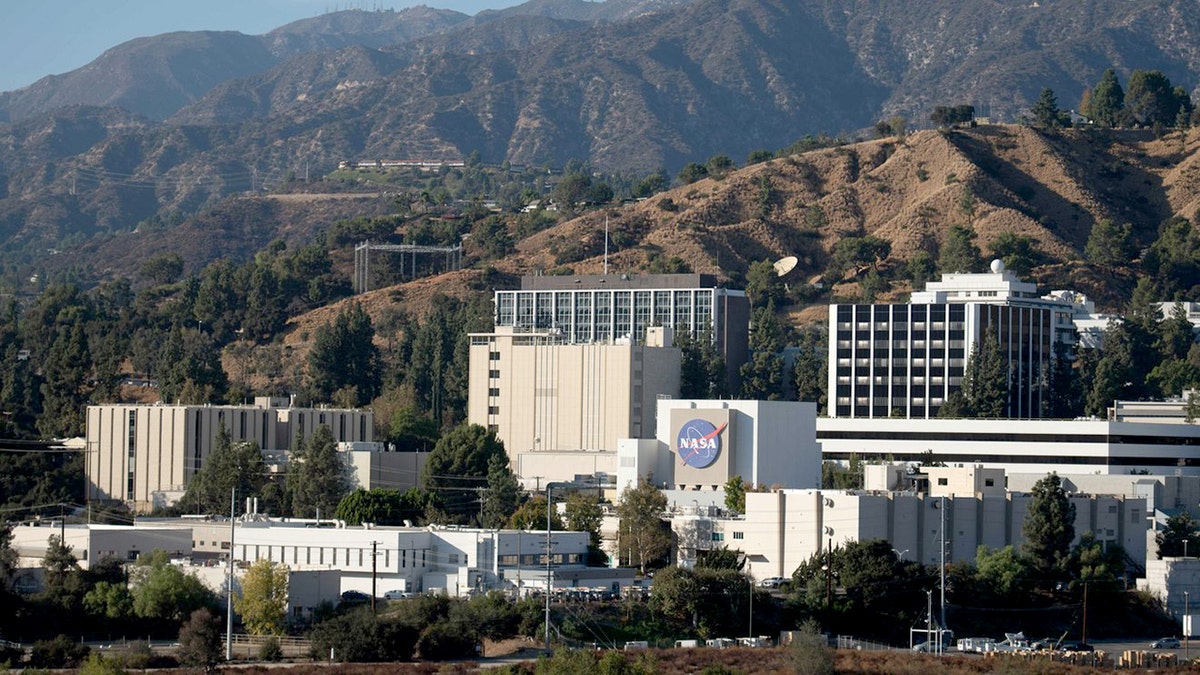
{"x": 145, "y": 455}
{"x": 784, "y": 528}
{"x": 93, "y": 543}
{"x": 573, "y": 402}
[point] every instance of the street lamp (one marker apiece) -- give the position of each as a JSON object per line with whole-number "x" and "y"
{"x": 1187, "y": 625}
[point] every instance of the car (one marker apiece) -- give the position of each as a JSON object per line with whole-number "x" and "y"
{"x": 773, "y": 582}
{"x": 927, "y": 647}
{"x": 398, "y": 595}
{"x": 355, "y": 596}
{"x": 1078, "y": 647}
{"x": 1165, "y": 643}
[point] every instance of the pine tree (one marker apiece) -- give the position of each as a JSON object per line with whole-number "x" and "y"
{"x": 985, "y": 379}
{"x": 318, "y": 478}
{"x": 503, "y": 492}
{"x": 1106, "y": 102}
{"x": 1045, "y": 110}
{"x": 1049, "y": 528}
{"x": 344, "y": 357}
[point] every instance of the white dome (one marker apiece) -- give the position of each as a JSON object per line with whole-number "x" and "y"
{"x": 997, "y": 266}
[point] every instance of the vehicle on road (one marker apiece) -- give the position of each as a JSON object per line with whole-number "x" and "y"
{"x": 1165, "y": 643}
{"x": 398, "y": 595}
{"x": 773, "y": 582}
{"x": 355, "y": 596}
{"x": 1078, "y": 647}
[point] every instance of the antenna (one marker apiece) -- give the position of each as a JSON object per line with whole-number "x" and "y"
{"x": 605, "y": 245}
{"x": 785, "y": 265}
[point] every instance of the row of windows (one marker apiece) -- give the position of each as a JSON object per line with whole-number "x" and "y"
{"x": 539, "y": 559}
{"x": 325, "y": 555}
{"x": 587, "y": 316}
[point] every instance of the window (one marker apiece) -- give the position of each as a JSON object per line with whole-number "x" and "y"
{"x": 493, "y": 391}
{"x": 493, "y": 374}
{"x": 1112, "y": 508}
{"x": 132, "y": 555}
{"x": 739, "y": 535}
{"x": 493, "y": 356}
{"x": 452, "y": 558}
{"x": 989, "y": 482}
{"x": 493, "y": 410}
{"x": 718, "y": 536}
{"x": 943, "y": 481}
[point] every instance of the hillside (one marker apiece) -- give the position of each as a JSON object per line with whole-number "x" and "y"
{"x": 542, "y": 84}
{"x": 1050, "y": 187}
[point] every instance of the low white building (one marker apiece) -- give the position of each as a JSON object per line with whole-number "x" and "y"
{"x": 1018, "y": 446}
{"x": 453, "y": 560}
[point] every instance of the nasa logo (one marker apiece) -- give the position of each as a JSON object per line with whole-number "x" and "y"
{"x": 699, "y": 443}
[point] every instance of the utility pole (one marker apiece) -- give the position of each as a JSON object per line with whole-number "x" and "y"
{"x": 750, "y": 580}
{"x": 374, "y": 557}
{"x": 549, "y": 585}
{"x": 943, "y": 577}
{"x": 1084, "y": 632}
{"x": 229, "y": 583}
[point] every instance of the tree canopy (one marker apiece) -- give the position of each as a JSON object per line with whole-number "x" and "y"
{"x": 1049, "y": 529}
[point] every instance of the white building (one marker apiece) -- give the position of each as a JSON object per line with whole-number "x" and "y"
{"x": 700, "y": 444}
{"x": 453, "y": 560}
{"x": 782, "y": 529}
{"x": 1027, "y": 446}
{"x": 91, "y": 544}
{"x": 906, "y": 360}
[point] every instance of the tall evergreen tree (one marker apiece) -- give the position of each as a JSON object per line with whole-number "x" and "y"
{"x": 1045, "y": 110}
{"x": 344, "y": 357}
{"x": 1152, "y": 99}
{"x": 985, "y": 384}
{"x": 318, "y": 478}
{"x": 762, "y": 376}
{"x": 1063, "y": 393}
{"x": 1049, "y": 529}
{"x": 458, "y": 468}
{"x": 1110, "y": 244}
{"x": 1106, "y": 101}
{"x": 230, "y": 466}
{"x": 503, "y": 493}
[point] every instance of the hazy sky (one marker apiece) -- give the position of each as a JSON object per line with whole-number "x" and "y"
{"x": 44, "y": 37}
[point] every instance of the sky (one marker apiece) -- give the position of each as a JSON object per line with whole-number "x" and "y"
{"x": 46, "y": 37}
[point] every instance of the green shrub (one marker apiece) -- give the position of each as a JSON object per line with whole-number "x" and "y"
{"x": 270, "y": 650}
{"x": 61, "y": 652}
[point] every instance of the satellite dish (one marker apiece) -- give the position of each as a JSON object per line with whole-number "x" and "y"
{"x": 785, "y": 265}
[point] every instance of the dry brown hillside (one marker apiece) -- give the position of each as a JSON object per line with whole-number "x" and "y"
{"x": 992, "y": 179}
{"x": 910, "y": 191}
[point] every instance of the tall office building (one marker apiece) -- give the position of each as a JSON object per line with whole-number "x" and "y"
{"x": 607, "y": 308}
{"x": 542, "y": 395}
{"x": 146, "y": 455}
{"x": 905, "y": 360}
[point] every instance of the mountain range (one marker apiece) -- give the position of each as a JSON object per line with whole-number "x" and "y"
{"x": 172, "y": 124}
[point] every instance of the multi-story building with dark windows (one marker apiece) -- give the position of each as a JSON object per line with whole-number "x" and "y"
{"x": 606, "y": 308}
{"x": 906, "y": 360}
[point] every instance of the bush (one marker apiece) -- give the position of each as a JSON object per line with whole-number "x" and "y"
{"x": 444, "y": 640}
{"x": 359, "y": 636}
{"x": 270, "y": 650}
{"x": 61, "y": 652}
{"x": 98, "y": 665}
{"x": 138, "y": 656}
